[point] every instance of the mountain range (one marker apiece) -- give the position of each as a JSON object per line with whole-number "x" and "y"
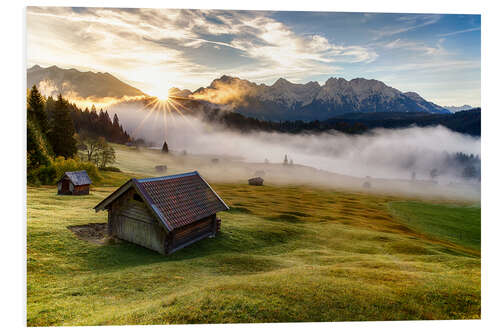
{"x": 458, "y": 108}
{"x": 72, "y": 83}
{"x": 282, "y": 100}
{"x": 285, "y": 100}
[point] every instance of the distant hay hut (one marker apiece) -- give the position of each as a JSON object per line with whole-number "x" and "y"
{"x": 257, "y": 181}
{"x": 74, "y": 183}
{"x": 164, "y": 214}
{"x": 215, "y": 160}
{"x": 367, "y": 184}
{"x": 161, "y": 168}
{"x": 260, "y": 173}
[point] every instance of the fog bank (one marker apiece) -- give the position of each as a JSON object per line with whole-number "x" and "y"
{"x": 397, "y": 154}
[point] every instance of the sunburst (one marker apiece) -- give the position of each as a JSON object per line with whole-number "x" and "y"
{"x": 163, "y": 107}
{"x": 163, "y": 96}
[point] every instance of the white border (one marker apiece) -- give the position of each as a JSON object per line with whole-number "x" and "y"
{"x": 13, "y": 241}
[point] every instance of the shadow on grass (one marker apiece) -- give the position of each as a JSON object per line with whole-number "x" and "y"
{"x": 285, "y": 218}
{"x": 235, "y": 240}
{"x": 239, "y": 210}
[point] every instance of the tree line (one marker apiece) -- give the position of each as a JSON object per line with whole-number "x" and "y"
{"x": 467, "y": 122}
{"x": 61, "y": 136}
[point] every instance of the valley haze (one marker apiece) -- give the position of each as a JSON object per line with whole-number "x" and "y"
{"x": 397, "y": 154}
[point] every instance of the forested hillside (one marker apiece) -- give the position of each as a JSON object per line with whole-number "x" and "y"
{"x": 467, "y": 122}
{"x": 57, "y": 130}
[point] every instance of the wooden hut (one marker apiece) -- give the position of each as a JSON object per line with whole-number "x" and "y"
{"x": 164, "y": 214}
{"x": 74, "y": 183}
{"x": 257, "y": 181}
{"x": 160, "y": 168}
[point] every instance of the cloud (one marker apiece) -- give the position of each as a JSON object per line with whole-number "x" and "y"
{"x": 459, "y": 32}
{"x": 50, "y": 88}
{"x": 443, "y": 65}
{"x": 153, "y": 46}
{"x": 406, "y": 23}
{"x": 155, "y": 49}
{"x": 421, "y": 47}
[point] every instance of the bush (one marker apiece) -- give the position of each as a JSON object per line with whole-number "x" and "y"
{"x": 50, "y": 174}
{"x": 32, "y": 178}
{"x": 45, "y": 175}
{"x": 110, "y": 168}
{"x": 62, "y": 165}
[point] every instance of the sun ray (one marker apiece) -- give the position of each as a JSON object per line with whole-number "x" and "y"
{"x": 164, "y": 112}
{"x": 175, "y": 104}
{"x": 188, "y": 121}
{"x": 163, "y": 106}
{"x": 150, "y": 111}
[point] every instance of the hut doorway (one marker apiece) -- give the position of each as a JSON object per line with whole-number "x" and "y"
{"x": 65, "y": 186}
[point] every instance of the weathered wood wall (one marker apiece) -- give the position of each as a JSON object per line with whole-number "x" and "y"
{"x": 203, "y": 228}
{"x": 132, "y": 221}
{"x": 81, "y": 189}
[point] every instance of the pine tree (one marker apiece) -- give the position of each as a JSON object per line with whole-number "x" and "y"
{"x": 285, "y": 161}
{"x": 61, "y": 135}
{"x": 36, "y": 109}
{"x": 116, "y": 132}
{"x": 165, "y": 147}
{"x": 37, "y": 151}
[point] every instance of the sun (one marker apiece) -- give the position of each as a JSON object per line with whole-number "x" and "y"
{"x": 163, "y": 95}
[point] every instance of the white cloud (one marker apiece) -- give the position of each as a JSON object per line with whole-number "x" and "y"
{"x": 399, "y": 43}
{"x": 130, "y": 44}
{"x": 459, "y": 32}
{"x": 408, "y": 23}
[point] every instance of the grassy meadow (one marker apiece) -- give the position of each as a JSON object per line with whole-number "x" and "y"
{"x": 285, "y": 254}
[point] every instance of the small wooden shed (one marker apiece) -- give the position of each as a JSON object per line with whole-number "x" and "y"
{"x": 164, "y": 214}
{"x": 160, "y": 168}
{"x": 257, "y": 181}
{"x": 74, "y": 183}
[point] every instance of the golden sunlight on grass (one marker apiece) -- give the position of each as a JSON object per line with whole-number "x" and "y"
{"x": 284, "y": 254}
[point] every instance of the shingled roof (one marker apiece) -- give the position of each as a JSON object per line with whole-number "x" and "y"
{"x": 78, "y": 177}
{"x": 176, "y": 200}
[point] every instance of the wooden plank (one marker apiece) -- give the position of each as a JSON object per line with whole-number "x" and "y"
{"x": 138, "y": 232}
{"x": 193, "y": 231}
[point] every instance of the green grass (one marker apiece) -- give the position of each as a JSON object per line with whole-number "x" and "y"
{"x": 459, "y": 225}
{"x": 284, "y": 254}
{"x": 116, "y": 179}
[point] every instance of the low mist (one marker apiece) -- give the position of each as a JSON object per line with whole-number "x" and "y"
{"x": 50, "y": 88}
{"x": 416, "y": 154}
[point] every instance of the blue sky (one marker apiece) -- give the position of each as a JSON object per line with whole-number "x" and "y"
{"x": 436, "y": 55}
